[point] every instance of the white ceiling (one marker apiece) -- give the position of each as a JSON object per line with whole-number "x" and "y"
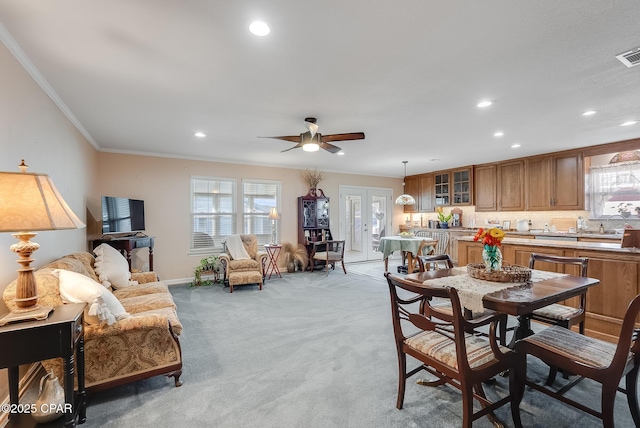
{"x": 141, "y": 76}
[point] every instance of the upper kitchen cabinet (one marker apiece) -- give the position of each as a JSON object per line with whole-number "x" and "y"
{"x": 500, "y": 186}
{"x": 486, "y": 181}
{"x": 555, "y": 182}
{"x": 462, "y": 191}
{"x": 453, "y": 187}
{"x": 426, "y": 198}
{"x": 412, "y": 187}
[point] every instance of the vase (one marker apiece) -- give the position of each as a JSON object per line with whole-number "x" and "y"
{"x": 492, "y": 257}
{"x": 444, "y": 225}
{"x": 50, "y": 403}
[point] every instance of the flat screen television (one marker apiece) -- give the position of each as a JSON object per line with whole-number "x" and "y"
{"x": 122, "y": 215}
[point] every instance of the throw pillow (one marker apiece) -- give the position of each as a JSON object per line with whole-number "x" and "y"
{"x": 104, "y": 307}
{"x": 112, "y": 267}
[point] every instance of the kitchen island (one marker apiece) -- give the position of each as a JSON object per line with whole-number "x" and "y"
{"x": 618, "y": 270}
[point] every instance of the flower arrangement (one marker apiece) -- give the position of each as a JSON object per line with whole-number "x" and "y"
{"x": 441, "y": 217}
{"x": 491, "y": 239}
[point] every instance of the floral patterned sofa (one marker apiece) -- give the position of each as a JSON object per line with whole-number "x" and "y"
{"x": 139, "y": 346}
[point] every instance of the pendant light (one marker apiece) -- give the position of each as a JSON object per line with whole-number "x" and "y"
{"x": 405, "y": 199}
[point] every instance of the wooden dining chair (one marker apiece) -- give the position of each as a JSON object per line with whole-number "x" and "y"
{"x": 434, "y": 262}
{"x": 557, "y": 314}
{"x": 448, "y": 352}
{"x": 603, "y": 362}
{"x": 332, "y": 253}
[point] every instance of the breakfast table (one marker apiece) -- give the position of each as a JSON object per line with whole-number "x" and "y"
{"x": 409, "y": 245}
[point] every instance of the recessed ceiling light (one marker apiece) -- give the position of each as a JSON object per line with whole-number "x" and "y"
{"x": 340, "y": 153}
{"x": 498, "y": 134}
{"x": 629, "y": 123}
{"x": 259, "y": 28}
{"x": 516, "y": 145}
{"x": 484, "y": 104}
{"x": 589, "y": 113}
{"x": 200, "y": 134}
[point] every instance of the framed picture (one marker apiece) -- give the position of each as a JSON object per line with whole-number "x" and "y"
{"x": 506, "y": 225}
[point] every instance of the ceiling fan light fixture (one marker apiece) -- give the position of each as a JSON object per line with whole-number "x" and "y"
{"x": 310, "y": 147}
{"x": 259, "y": 28}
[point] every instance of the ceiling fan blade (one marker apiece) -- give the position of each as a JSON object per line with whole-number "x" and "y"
{"x": 292, "y": 138}
{"x": 291, "y": 148}
{"x": 330, "y": 147}
{"x": 343, "y": 137}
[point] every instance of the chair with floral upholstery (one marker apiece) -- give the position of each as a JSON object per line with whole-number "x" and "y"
{"x": 242, "y": 262}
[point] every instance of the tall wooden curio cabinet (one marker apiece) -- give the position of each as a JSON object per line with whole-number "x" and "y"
{"x": 313, "y": 219}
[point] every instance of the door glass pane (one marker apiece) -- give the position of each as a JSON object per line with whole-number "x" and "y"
{"x": 354, "y": 220}
{"x": 378, "y": 227}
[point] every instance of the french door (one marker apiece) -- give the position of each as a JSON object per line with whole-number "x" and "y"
{"x": 365, "y": 216}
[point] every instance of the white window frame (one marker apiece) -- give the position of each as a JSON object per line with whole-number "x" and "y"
{"x": 256, "y": 221}
{"x": 215, "y": 216}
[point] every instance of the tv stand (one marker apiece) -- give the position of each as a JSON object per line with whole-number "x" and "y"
{"x": 126, "y": 244}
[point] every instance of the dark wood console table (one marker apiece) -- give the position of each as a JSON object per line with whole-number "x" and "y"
{"x": 127, "y": 244}
{"x": 60, "y": 335}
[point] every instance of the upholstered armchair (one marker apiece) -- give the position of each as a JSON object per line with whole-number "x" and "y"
{"x": 248, "y": 267}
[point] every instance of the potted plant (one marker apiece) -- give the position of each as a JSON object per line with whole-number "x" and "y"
{"x": 210, "y": 265}
{"x": 443, "y": 219}
{"x": 294, "y": 256}
{"x": 623, "y": 208}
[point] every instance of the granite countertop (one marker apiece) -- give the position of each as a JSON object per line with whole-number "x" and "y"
{"x": 579, "y": 245}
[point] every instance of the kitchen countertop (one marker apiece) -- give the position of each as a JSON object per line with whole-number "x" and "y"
{"x": 581, "y": 245}
{"x": 615, "y": 237}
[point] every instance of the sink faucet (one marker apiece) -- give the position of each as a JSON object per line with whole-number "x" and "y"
{"x": 624, "y": 219}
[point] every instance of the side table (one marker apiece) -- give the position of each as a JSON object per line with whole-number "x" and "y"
{"x": 60, "y": 335}
{"x": 273, "y": 252}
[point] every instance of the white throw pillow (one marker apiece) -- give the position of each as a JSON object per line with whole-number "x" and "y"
{"x": 78, "y": 288}
{"x": 112, "y": 267}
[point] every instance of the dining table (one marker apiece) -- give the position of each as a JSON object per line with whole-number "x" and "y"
{"x": 519, "y": 299}
{"x": 408, "y": 245}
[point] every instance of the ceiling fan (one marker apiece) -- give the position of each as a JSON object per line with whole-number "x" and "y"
{"x": 312, "y": 140}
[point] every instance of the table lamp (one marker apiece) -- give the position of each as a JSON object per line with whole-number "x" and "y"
{"x": 273, "y": 216}
{"x": 30, "y": 202}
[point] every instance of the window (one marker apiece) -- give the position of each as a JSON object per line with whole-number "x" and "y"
{"x": 614, "y": 189}
{"x": 213, "y": 213}
{"x": 259, "y": 196}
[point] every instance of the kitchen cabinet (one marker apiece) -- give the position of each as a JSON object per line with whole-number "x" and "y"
{"x": 426, "y": 198}
{"x": 412, "y": 187}
{"x": 555, "y": 182}
{"x": 453, "y": 187}
{"x": 462, "y": 191}
{"x": 486, "y": 190}
{"x": 500, "y": 186}
{"x": 511, "y": 186}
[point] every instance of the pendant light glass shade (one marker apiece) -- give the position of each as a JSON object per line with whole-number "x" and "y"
{"x": 405, "y": 199}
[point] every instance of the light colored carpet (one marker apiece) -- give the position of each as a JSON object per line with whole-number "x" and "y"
{"x": 307, "y": 351}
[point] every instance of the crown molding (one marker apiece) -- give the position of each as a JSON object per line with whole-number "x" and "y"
{"x": 26, "y": 63}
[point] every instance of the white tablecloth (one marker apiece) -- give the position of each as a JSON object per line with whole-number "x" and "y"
{"x": 472, "y": 290}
